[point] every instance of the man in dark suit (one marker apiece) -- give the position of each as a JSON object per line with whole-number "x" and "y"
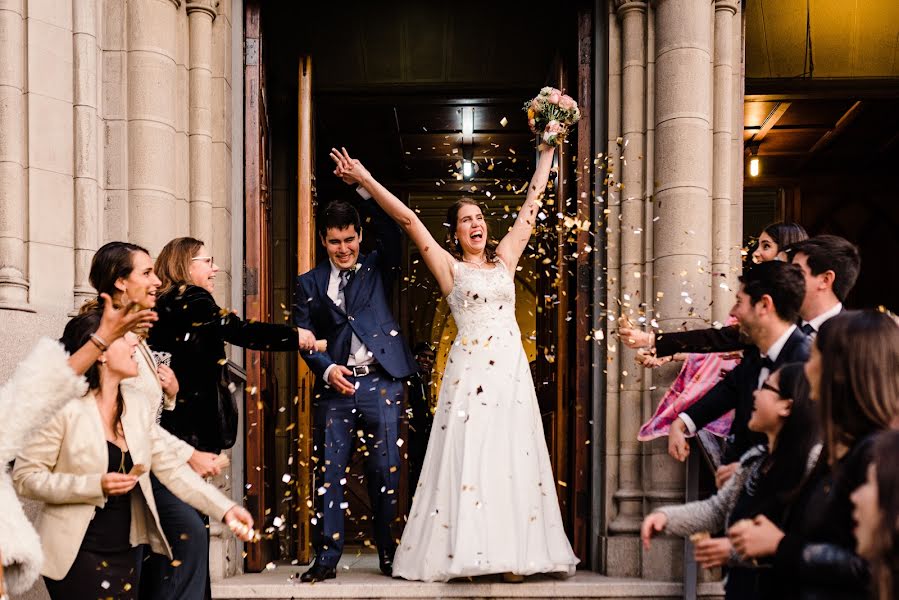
{"x": 830, "y": 265}
{"x": 359, "y": 379}
{"x": 766, "y": 309}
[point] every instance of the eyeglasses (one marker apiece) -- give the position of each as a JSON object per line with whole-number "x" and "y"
{"x": 771, "y": 388}
{"x": 206, "y": 259}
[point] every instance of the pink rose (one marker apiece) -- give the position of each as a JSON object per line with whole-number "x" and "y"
{"x": 566, "y": 102}
{"x": 554, "y": 97}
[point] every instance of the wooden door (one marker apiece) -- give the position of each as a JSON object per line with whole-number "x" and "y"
{"x": 261, "y": 386}
{"x": 306, "y": 244}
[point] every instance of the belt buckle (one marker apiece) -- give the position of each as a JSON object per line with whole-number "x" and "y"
{"x": 361, "y": 371}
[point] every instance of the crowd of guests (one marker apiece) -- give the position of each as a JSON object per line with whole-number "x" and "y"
{"x": 808, "y": 486}
{"x": 125, "y": 428}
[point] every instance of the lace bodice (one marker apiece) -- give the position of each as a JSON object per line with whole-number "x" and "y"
{"x": 482, "y": 300}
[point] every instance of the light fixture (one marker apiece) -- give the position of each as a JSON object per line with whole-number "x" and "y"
{"x": 754, "y": 162}
{"x": 467, "y": 169}
{"x": 467, "y": 125}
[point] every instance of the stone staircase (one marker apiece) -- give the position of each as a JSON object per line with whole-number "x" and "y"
{"x": 359, "y": 578}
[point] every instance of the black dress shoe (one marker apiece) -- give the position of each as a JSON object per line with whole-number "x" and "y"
{"x": 386, "y": 564}
{"x": 318, "y": 573}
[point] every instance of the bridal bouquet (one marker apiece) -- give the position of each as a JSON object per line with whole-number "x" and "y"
{"x": 551, "y": 114}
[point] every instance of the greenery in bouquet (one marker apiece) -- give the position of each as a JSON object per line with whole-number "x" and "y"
{"x": 550, "y": 115}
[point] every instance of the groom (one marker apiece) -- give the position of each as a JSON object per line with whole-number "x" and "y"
{"x": 358, "y": 388}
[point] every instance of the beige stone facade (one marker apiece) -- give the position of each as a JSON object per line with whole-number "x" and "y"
{"x": 122, "y": 120}
{"x": 115, "y": 124}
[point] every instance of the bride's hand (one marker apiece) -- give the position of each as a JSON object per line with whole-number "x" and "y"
{"x": 350, "y": 170}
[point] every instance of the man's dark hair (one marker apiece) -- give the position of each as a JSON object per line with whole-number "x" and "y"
{"x": 831, "y": 253}
{"x": 338, "y": 214}
{"x": 422, "y": 347}
{"x": 781, "y": 281}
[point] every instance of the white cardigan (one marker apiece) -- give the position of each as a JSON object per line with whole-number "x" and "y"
{"x": 38, "y": 387}
{"x": 63, "y": 463}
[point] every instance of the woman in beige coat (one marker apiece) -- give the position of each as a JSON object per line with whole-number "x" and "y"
{"x": 89, "y": 465}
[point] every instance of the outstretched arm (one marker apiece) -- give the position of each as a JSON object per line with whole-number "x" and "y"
{"x": 514, "y": 242}
{"x": 436, "y": 258}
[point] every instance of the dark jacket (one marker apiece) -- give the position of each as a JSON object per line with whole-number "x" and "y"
{"x": 700, "y": 341}
{"x": 368, "y": 309}
{"x": 734, "y": 392}
{"x": 816, "y": 558}
{"x": 194, "y": 329}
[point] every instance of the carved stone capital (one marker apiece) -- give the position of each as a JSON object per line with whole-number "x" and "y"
{"x": 730, "y": 5}
{"x": 207, "y": 6}
{"x": 623, "y": 7}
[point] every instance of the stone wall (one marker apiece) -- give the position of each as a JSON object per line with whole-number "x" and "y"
{"x": 116, "y": 123}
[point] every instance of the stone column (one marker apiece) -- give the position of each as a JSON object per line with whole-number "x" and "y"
{"x": 736, "y": 211}
{"x": 682, "y": 235}
{"x": 722, "y": 183}
{"x": 152, "y": 47}
{"x": 87, "y": 204}
{"x": 222, "y": 122}
{"x": 200, "y": 14}
{"x": 629, "y": 495}
{"x": 13, "y": 157}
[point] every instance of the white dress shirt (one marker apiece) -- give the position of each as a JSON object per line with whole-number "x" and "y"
{"x": 773, "y": 352}
{"x": 818, "y": 321}
{"x": 362, "y": 356}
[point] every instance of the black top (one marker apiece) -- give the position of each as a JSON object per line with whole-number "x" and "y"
{"x": 194, "y": 329}
{"x": 700, "y": 341}
{"x": 822, "y": 514}
{"x": 734, "y": 392}
{"x": 110, "y": 528}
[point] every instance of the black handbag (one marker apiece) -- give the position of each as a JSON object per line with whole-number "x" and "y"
{"x": 230, "y": 386}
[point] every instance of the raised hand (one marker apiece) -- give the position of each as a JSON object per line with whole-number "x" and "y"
{"x": 350, "y": 170}
{"x": 116, "y": 322}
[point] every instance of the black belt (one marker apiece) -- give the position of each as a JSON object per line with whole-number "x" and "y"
{"x": 364, "y": 370}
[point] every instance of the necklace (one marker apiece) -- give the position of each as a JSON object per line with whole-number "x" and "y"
{"x": 477, "y": 264}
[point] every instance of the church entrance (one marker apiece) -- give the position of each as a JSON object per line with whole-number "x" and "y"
{"x": 429, "y": 98}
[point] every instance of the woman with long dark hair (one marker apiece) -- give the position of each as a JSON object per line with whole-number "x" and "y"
{"x": 876, "y": 517}
{"x": 776, "y": 238}
{"x": 763, "y": 484}
{"x": 853, "y": 374}
{"x": 84, "y": 465}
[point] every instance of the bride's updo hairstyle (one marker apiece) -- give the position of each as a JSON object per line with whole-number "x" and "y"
{"x": 113, "y": 261}
{"x": 452, "y": 224}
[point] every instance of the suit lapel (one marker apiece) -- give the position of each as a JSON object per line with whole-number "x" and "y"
{"x": 351, "y": 291}
{"x": 322, "y": 280}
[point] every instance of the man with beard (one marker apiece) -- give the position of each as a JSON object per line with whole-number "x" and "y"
{"x": 767, "y": 309}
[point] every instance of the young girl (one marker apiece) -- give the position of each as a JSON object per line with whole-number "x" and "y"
{"x": 762, "y": 484}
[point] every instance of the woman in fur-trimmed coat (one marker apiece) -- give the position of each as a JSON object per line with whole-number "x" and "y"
{"x": 40, "y": 385}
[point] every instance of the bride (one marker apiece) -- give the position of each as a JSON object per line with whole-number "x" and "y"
{"x": 486, "y": 498}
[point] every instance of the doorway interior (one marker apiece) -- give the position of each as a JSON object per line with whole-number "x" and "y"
{"x": 430, "y": 98}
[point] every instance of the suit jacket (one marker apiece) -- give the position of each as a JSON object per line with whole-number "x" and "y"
{"x": 62, "y": 465}
{"x": 194, "y": 329}
{"x": 734, "y": 392}
{"x": 367, "y": 312}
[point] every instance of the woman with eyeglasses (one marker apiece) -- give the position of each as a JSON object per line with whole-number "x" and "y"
{"x": 763, "y": 484}
{"x": 194, "y": 330}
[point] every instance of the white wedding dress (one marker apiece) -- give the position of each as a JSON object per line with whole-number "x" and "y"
{"x": 486, "y": 499}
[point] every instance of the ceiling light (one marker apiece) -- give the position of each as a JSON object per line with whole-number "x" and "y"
{"x": 467, "y": 124}
{"x": 754, "y": 166}
{"x": 467, "y": 169}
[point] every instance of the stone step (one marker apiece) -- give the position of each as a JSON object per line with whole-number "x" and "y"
{"x": 359, "y": 578}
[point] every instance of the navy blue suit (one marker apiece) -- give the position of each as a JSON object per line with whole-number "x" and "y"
{"x": 375, "y": 408}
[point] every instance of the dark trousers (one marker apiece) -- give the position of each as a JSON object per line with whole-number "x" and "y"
{"x": 99, "y": 575}
{"x": 375, "y": 410}
{"x": 187, "y": 532}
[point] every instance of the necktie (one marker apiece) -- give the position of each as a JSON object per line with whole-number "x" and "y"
{"x": 345, "y": 276}
{"x": 808, "y": 329}
{"x": 767, "y": 363}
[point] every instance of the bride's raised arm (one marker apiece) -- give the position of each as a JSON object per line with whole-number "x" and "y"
{"x": 438, "y": 260}
{"x": 514, "y": 242}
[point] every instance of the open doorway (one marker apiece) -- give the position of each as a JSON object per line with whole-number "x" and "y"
{"x": 430, "y": 99}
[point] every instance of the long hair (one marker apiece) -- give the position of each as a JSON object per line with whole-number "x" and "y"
{"x": 885, "y": 565}
{"x": 859, "y": 376}
{"x": 452, "y": 222}
{"x": 76, "y": 334}
{"x": 173, "y": 263}
{"x": 785, "y": 233}
{"x": 789, "y": 459}
{"x": 113, "y": 261}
